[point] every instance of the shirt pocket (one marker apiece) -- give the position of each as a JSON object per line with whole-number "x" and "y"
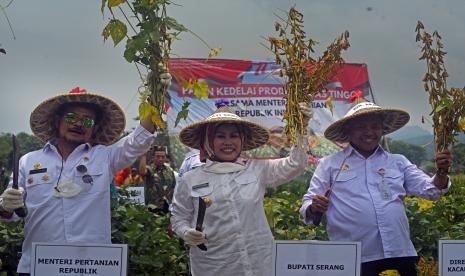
{"x": 395, "y": 180}
{"x": 38, "y": 188}
{"x": 95, "y": 177}
{"x": 346, "y": 182}
{"x": 248, "y": 185}
{"x": 345, "y": 177}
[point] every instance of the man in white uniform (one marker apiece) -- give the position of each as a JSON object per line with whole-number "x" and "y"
{"x": 361, "y": 189}
{"x": 66, "y": 184}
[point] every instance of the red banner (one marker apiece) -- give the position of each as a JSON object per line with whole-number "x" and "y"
{"x": 256, "y": 91}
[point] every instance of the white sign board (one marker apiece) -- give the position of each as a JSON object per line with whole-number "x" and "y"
{"x": 60, "y": 259}
{"x": 140, "y": 197}
{"x": 451, "y": 257}
{"x": 302, "y": 258}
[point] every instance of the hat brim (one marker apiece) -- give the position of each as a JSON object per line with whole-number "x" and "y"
{"x": 111, "y": 124}
{"x": 255, "y": 134}
{"x": 393, "y": 119}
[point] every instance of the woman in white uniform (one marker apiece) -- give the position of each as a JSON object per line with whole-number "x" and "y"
{"x": 235, "y": 230}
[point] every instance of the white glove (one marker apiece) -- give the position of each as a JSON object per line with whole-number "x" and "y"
{"x": 194, "y": 237}
{"x": 307, "y": 112}
{"x": 12, "y": 199}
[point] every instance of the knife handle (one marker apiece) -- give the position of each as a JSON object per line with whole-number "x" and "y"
{"x": 21, "y": 212}
{"x": 317, "y": 218}
{"x": 202, "y": 246}
{"x": 318, "y": 215}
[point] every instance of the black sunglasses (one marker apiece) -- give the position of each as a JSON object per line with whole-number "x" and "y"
{"x": 86, "y": 178}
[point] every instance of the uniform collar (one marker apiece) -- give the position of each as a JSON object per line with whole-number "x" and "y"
{"x": 349, "y": 150}
{"x": 224, "y": 167}
{"x": 51, "y": 145}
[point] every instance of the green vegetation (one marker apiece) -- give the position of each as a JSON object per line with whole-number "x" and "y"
{"x": 152, "y": 248}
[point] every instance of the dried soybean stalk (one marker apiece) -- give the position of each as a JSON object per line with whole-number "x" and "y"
{"x": 305, "y": 76}
{"x": 448, "y": 105}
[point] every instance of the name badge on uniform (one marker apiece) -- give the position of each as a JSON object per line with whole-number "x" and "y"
{"x": 36, "y": 171}
{"x": 199, "y": 186}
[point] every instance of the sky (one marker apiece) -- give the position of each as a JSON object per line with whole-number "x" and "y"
{"x": 57, "y": 45}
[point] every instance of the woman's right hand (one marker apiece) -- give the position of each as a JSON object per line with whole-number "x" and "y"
{"x": 194, "y": 237}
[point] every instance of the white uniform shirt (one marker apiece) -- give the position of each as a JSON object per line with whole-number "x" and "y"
{"x": 191, "y": 161}
{"x": 357, "y": 209}
{"x": 239, "y": 238}
{"x": 84, "y": 218}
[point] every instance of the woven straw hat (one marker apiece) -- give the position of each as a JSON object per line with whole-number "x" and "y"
{"x": 111, "y": 123}
{"x": 255, "y": 135}
{"x": 393, "y": 119}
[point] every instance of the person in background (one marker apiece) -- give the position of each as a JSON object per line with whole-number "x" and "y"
{"x": 159, "y": 179}
{"x": 361, "y": 189}
{"x": 169, "y": 162}
{"x": 66, "y": 184}
{"x": 235, "y": 230}
{"x": 191, "y": 161}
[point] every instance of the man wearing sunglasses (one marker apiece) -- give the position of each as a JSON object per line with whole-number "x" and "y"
{"x": 66, "y": 184}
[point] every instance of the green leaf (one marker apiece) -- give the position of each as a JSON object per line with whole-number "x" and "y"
{"x": 118, "y": 31}
{"x": 130, "y": 52}
{"x": 102, "y": 7}
{"x": 182, "y": 114}
{"x": 439, "y": 108}
{"x": 173, "y": 24}
{"x": 114, "y": 3}
{"x": 155, "y": 35}
{"x": 201, "y": 90}
{"x": 129, "y": 55}
{"x": 443, "y": 104}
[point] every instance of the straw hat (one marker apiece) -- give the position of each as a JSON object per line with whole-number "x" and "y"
{"x": 111, "y": 123}
{"x": 255, "y": 135}
{"x": 393, "y": 119}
